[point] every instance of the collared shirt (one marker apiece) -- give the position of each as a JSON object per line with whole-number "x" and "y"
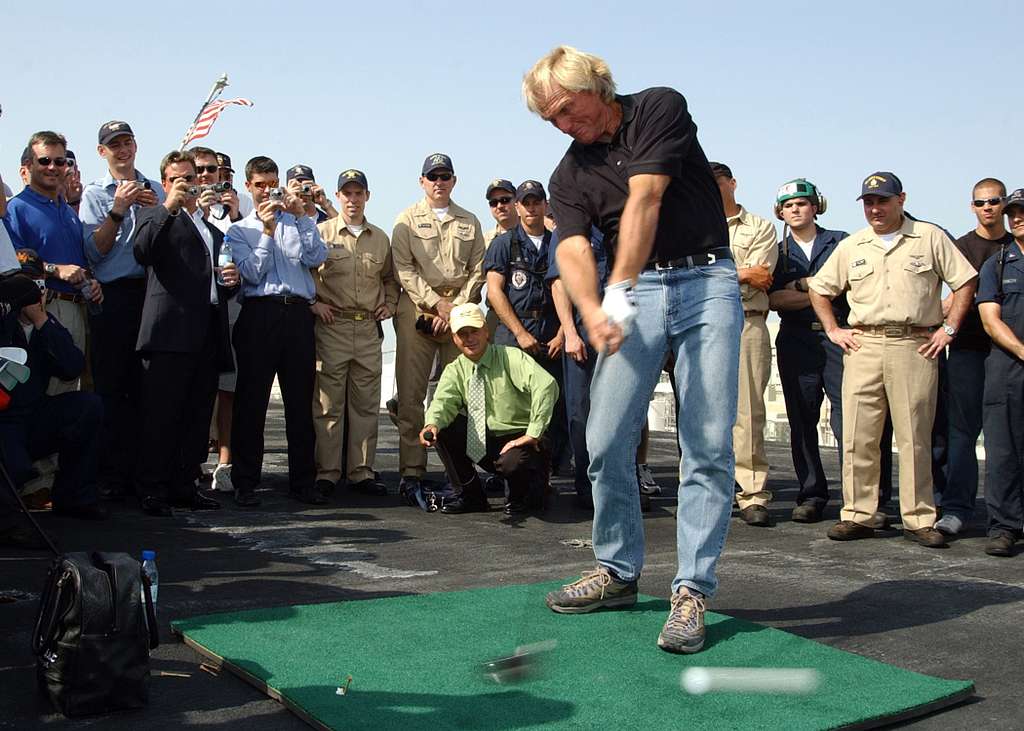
{"x": 520, "y": 394}
{"x": 793, "y": 264}
{"x": 358, "y": 273}
{"x": 207, "y": 237}
{"x": 657, "y": 136}
{"x": 430, "y": 254}
{"x": 278, "y": 265}
{"x": 49, "y": 226}
{"x": 1008, "y": 294}
{"x": 489, "y": 236}
{"x": 894, "y": 286}
{"x": 97, "y": 200}
{"x": 753, "y": 242}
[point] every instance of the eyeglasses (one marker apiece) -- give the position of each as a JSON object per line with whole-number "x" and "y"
{"x": 503, "y": 201}
{"x": 58, "y": 161}
{"x": 263, "y": 184}
{"x": 979, "y": 202}
{"x": 186, "y": 178}
{"x": 200, "y": 169}
{"x": 434, "y": 177}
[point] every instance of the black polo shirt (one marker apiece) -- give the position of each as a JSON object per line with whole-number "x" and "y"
{"x": 972, "y": 335}
{"x": 657, "y": 136}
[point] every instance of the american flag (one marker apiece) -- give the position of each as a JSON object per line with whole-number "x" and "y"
{"x": 202, "y": 126}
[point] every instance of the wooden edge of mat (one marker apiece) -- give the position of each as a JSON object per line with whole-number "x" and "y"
{"x": 259, "y": 684}
{"x": 916, "y": 712}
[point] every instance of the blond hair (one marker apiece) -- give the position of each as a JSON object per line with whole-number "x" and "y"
{"x": 570, "y": 69}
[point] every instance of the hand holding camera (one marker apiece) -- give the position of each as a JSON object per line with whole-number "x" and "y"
{"x": 126, "y": 195}
{"x": 178, "y": 195}
{"x": 142, "y": 194}
{"x": 207, "y": 197}
{"x": 267, "y": 212}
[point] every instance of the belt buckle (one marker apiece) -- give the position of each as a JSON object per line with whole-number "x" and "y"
{"x": 358, "y": 316}
{"x": 712, "y": 259}
{"x": 893, "y": 331}
{"x": 817, "y": 326}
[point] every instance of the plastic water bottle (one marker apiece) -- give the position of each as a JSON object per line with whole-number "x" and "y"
{"x": 223, "y": 260}
{"x": 87, "y": 288}
{"x": 149, "y": 569}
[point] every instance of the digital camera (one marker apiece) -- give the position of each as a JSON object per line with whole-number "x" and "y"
{"x": 307, "y": 189}
{"x": 143, "y": 183}
{"x": 277, "y": 194}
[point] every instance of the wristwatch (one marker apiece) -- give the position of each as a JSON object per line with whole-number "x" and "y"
{"x": 948, "y": 329}
{"x": 50, "y": 269}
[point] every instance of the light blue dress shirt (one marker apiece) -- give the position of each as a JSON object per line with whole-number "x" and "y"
{"x": 279, "y": 265}
{"x": 97, "y": 200}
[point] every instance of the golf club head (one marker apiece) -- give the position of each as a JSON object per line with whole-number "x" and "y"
{"x": 15, "y": 355}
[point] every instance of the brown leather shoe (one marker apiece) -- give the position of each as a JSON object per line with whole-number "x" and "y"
{"x": 847, "y": 530}
{"x": 879, "y": 521}
{"x": 1000, "y": 544}
{"x": 927, "y": 537}
{"x": 807, "y": 513}
{"x": 756, "y": 515}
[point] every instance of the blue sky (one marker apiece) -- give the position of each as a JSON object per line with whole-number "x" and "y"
{"x": 778, "y": 91}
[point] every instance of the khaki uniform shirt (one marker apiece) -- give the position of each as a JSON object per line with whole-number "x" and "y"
{"x": 493, "y": 234}
{"x": 897, "y": 286}
{"x": 432, "y": 255}
{"x": 358, "y": 273}
{"x": 753, "y": 243}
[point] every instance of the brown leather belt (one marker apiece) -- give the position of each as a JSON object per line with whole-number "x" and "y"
{"x": 279, "y": 299}
{"x": 531, "y": 314}
{"x": 895, "y": 331}
{"x": 754, "y": 313}
{"x": 52, "y": 294}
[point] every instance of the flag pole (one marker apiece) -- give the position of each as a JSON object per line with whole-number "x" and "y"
{"x": 218, "y": 87}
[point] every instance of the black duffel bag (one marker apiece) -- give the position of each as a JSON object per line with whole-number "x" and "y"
{"x": 94, "y": 633}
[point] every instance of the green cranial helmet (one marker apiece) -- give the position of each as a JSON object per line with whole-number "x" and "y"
{"x": 798, "y": 188}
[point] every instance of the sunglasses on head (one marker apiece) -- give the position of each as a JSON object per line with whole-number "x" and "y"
{"x": 503, "y": 201}
{"x": 58, "y": 161}
{"x": 206, "y": 169}
{"x": 979, "y": 202}
{"x": 434, "y": 177}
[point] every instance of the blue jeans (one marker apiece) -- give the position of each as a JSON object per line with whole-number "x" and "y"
{"x": 966, "y": 369}
{"x": 696, "y": 315}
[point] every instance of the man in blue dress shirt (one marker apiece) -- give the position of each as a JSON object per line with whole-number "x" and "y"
{"x": 108, "y": 213}
{"x": 274, "y": 247}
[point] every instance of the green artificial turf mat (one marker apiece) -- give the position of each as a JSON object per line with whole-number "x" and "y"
{"x": 416, "y": 662}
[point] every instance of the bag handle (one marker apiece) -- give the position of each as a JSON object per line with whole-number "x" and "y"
{"x": 49, "y": 604}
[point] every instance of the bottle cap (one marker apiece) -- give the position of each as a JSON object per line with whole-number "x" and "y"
{"x": 149, "y": 555}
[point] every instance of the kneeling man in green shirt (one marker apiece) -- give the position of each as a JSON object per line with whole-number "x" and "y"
{"x": 491, "y": 407}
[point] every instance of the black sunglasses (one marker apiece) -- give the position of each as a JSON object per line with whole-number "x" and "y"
{"x": 58, "y": 161}
{"x": 186, "y": 178}
{"x": 206, "y": 169}
{"x": 979, "y": 202}
{"x": 503, "y": 201}
{"x": 434, "y": 177}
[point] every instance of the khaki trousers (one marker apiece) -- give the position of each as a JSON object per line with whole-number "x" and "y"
{"x": 414, "y": 358}
{"x": 748, "y": 432}
{"x": 348, "y": 374}
{"x": 76, "y": 321}
{"x": 888, "y": 374}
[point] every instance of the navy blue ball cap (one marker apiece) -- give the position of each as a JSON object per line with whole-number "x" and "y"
{"x": 528, "y": 188}
{"x": 882, "y": 183}
{"x": 437, "y": 161}
{"x": 1016, "y": 198}
{"x": 112, "y": 129}
{"x": 299, "y": 172}
{"x": 500, "y": 184}
{"x": 352, "y": 176}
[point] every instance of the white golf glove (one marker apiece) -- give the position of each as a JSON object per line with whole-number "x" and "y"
{"x": 619, "y": 305}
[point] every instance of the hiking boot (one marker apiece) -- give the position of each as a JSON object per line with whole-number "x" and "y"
{"x": 949, "y": 525}
{"x": 927, "y": 537}
{"x": 593, "y": 590}
{"x": 847, "y": 530}
{"x": 807, "y": 513}
{"x": 684, "y": 629}
{"x": 756, "y": 515}
{"x": 1000, "y": 544}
